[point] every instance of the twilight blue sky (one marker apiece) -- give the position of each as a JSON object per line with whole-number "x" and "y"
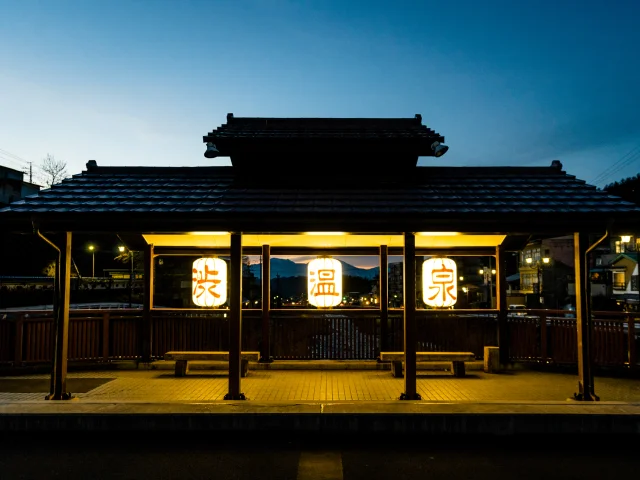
{"x": 140, "y": 82}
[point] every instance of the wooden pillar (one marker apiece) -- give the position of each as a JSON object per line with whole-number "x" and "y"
{"x": 501, "y": 293}
{"x": 583, "y": 318}
{"x": 62, "y": 326}
{"x": 384, "y": 297}
{"x": 409, "y": 278}
{"x": 265, "y": 348}
{"x": 235, "y": 320}
{"x": 146, "y": 331}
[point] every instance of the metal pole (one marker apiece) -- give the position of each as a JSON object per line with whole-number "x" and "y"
{"x": 93, "y": 264}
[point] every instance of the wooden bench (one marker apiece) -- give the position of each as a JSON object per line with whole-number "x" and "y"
{"x": 182, "y": 360}
{"x": 457, "y": 360}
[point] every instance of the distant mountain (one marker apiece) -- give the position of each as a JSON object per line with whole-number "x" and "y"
{"x": 288, "y": 268}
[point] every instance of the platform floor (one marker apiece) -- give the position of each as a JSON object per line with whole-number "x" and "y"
{"x": 160, "y": 385}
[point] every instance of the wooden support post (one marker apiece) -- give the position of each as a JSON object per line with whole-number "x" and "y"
{"x": 146, "y": 331}
{"x": 62, "y": 323}
{"x": 182, "y": 368}
{"x": 583, "y": 318}
{"x": 501, "y": 293}
{"x": 544, "y": 344}
{"x": 265, "y": 274}
{"x": 17, "y": 352}
{"x": 409, "y": 277}
{"x": 458, "y": 369}
{"x": 384, "y": 297}
{"x": 235, "y": 320}
{"x": 105, "y": 337}
{"x": 631, "y": 340}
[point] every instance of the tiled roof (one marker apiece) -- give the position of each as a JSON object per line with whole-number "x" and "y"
{"x": 265, "y": 127}
{"x": 633, "y": 256}
{"x": 467, "y": 199}
{"x": 251, "y": 140}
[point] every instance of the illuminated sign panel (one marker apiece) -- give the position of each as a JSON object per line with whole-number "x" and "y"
{"x": 209, "y": 282}
{"x": 324, "y": 282}
{"x": 439, "y": 282}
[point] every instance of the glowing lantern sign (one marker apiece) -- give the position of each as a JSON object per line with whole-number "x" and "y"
{"x": 324, "y": 282}
{"x": 209, "y": 282}
{"x": 439, "y": 282}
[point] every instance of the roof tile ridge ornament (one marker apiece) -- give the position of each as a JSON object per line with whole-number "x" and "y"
{"x": 92, "y": 165}
{"x": 557, "y": 164}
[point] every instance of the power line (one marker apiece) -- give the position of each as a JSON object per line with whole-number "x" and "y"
{"x": 25, "y": 166}
{"x": 628, "y": 158}
{"x": 10, "y": 160}
{"x": 629, "y": 161}
{"x": 13, "y": 155}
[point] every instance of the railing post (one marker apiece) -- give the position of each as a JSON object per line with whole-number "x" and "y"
{"x": 17, "y": 352}
{"x": 544, "y": 352}
{"x": 631, "y": 341}
{"x": 105, "y": 336}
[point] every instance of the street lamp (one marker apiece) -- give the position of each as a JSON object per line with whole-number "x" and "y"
{"x": 545, "y": 261}
{"x": 122, "y": 249}
{"x": 487, "y": 273}
{"x": 92, "y": 249}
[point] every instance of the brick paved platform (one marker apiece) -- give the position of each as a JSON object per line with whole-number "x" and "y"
{"x": 518, "y": 401}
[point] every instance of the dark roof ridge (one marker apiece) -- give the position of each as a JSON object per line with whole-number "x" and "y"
{"x": 196, "y": 170}
{"x": 439, "y": 169}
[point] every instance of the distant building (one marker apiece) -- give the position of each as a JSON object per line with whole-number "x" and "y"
{"x": 547, "y": 273}
{"x": 13, "y": 187}
{"x": 614, "y": 274}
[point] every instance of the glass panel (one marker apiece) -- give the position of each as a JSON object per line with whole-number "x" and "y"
{"x": 174, "y": 282}
{"x": 619, "y": 282}
{"x": 360, "y": 281}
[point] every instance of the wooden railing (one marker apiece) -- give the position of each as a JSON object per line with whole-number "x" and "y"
{"x": 542, "y": 336}
{"x": 198, "y": 330}
{"x": 549, "y": 336}
{"x": 312, "y": 334}
{"x": 27, "y": 336}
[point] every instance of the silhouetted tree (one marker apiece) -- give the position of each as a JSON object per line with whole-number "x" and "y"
{"x": 628, "y": 189}
{"x": 55, "y": 170}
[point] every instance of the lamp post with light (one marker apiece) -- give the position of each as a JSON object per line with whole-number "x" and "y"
{"x": 539, "y": 273}
{"x": 122, "y": 249}
{"x": 92, "y": 249}
{"x": 487, "y": 273}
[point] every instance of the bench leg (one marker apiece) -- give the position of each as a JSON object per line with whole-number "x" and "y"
{"x": 182, "y": 367}
{"x": 396, "y": 368}
{"x": 458, "y": 369}
{"x": 244, "y": 367}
